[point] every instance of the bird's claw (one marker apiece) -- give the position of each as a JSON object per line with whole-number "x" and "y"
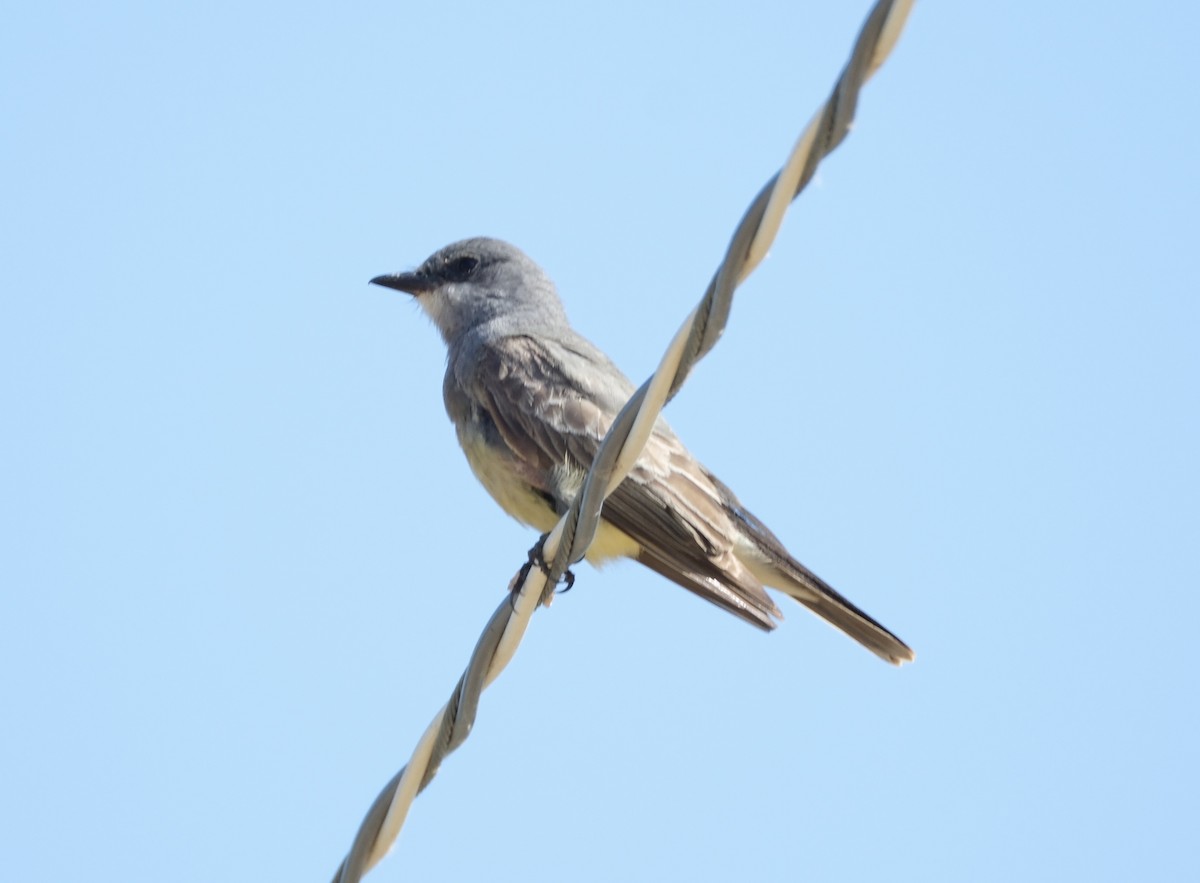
{"x": 536, "y": 559}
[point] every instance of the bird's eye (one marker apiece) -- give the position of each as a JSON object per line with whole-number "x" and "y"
{"x": 460, "y": 269}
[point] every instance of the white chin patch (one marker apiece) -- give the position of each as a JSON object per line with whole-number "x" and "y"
{"x": 432, "y": 305}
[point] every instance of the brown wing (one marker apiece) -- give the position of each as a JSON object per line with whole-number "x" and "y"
{"x": 551, "y": 403}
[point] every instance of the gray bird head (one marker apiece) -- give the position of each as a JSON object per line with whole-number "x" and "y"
{"x": 478, "y": 282}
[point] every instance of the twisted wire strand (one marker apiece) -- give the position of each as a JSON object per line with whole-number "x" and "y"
{"x": 571, "y": 537}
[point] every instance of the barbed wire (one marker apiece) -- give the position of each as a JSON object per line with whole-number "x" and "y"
{"x": 571, "y": 537}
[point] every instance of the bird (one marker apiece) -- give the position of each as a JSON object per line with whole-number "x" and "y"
{"x": 531, "y": 401}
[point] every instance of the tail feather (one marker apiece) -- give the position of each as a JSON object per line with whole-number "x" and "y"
{"x": 768, "y": 560}
{"x": 819, "y": 597}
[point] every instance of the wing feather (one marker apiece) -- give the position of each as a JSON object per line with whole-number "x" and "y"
{"x": 551, "y": 403}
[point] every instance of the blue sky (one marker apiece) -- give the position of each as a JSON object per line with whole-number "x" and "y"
{"x": 242, "y": 561}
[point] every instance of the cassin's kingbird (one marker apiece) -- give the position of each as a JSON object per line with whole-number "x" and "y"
{"x": 531, "y": 401}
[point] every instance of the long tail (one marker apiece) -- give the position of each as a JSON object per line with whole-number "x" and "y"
{"x": 818, "y": 596}
{"x": 768, "y": 560}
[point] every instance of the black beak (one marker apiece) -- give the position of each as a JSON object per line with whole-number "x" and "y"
{"x": 413, "y": 283}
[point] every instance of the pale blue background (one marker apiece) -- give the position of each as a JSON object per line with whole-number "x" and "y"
{"x": 243, "y": 562}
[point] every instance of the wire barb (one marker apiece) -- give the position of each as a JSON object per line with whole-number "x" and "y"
{"x": 571, "y": 537}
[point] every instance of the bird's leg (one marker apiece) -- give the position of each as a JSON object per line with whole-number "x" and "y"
{"x": 536, "y": 559}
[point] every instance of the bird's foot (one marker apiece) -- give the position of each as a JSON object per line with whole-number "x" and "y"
{"x": 536, "y": 559}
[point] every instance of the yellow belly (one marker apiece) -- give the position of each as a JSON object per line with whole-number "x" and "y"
{"x": 515, "y": 498}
